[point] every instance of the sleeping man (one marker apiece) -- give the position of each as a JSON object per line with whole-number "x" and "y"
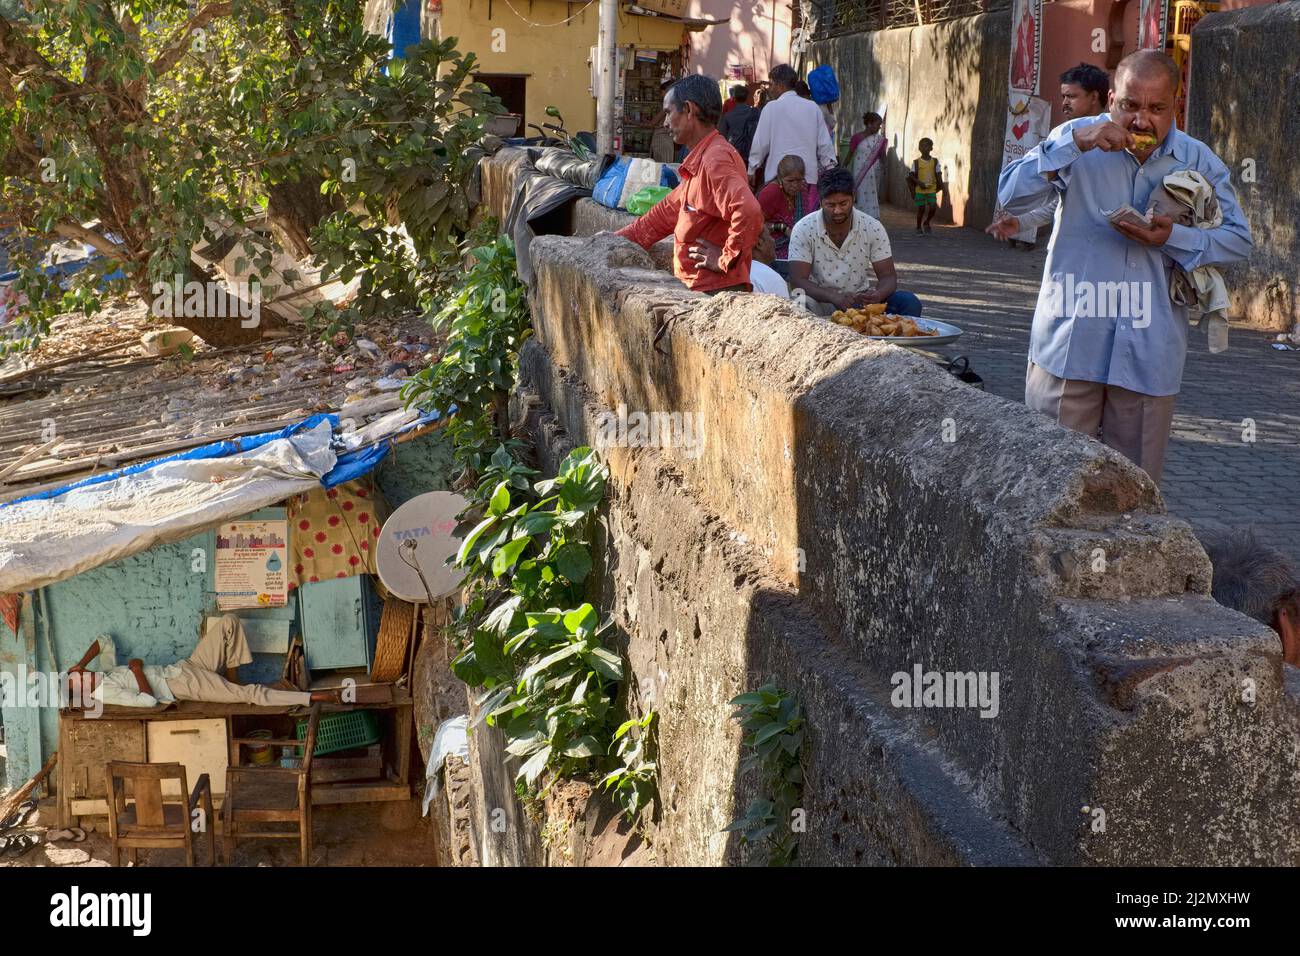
{"x": 204, "y": 675}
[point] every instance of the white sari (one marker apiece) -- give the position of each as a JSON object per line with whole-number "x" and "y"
{"x": 866, "y": 192}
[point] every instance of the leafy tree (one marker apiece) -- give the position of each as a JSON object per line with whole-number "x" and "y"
{"x": 147, "y": 127}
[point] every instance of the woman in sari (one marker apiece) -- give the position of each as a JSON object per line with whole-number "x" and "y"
{"x": 867, "y": 149}
{"x": 786, "y": 200}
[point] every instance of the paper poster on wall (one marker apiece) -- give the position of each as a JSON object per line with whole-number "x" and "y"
{"x": 250, "y": 564}
{"x": 1026, "y": 44}
{"x": 1029, "y": 121}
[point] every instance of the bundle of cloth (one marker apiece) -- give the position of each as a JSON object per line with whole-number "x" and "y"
{"x": 1188, "y": 198}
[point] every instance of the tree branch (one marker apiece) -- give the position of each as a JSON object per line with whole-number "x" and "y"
{"x": 72, "y": 230}
{"x": 18, "y": 58}
{"x": 175, "y": 48}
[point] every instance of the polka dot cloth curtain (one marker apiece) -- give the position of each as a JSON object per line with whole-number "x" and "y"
{"x": 333, "y": 532}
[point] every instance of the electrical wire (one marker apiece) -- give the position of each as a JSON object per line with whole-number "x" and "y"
{"x": 560, "y": 23}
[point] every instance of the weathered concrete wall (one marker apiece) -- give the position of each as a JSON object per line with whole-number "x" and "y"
{"x": 828, "y": 537}
{"x": 1244, "y": 83}
{"x": 947, "y": 81}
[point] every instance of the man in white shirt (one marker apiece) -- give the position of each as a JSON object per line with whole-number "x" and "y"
{"x": 837, "y": 251}
{"x": 222, "y": 648}
{"x": 762, "y": 276}
{"x": 790, "y": 126}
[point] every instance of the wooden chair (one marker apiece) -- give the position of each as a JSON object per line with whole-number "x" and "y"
{"x": 270, "y": 795}
{"x": 153, "y": 820}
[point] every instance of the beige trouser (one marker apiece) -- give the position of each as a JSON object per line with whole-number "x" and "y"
{"x": 1135, "y": 425}
{"x": 223, "y": 646}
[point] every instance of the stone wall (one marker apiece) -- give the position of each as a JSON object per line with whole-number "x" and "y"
{"x": 855, "y": 513}
{"x": 1244, "y": 84}
{"x": 947, "y": 81}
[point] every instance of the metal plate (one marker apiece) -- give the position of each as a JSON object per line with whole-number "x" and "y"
{"x": 947, "y": 333}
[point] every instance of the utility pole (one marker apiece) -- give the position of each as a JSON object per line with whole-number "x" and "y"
{"x": 607, "y": 52}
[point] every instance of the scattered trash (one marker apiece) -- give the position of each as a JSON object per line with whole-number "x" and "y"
{"x": 369, "y": 347}
{"x": 18, "y": 845}
{"x": 165, "y": 341}
{"x": 357, "y": 383}
{"x": 389, "y": 384}
{"x": 71, "y": 834}
{"x": 19, "y": 816}
{"x": 1283, "y": 347}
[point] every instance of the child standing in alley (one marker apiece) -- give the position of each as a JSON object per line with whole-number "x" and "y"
{"x": 926, "y": 182}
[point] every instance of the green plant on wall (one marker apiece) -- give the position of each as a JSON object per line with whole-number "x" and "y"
{"x": 550, "y": 683}
{"x": 487, "y": 321}
{"x": 634, "y": 782}
{"x": 527, "y": 636}
{"x": 774, "y": 732}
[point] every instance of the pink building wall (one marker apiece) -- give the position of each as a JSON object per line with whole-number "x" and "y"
{"x": 1068, "y": 27}
{"x": 757, "y": 33}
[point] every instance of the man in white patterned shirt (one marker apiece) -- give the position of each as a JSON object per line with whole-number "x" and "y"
{"x": 837, "y": 252}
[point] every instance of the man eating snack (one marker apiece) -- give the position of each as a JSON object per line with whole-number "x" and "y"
{"x": 1100, "y": 362}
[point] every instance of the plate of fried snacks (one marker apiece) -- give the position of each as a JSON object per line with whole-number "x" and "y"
{"x": 874, "y": 322}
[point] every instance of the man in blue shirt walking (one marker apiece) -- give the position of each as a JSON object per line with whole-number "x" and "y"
{"x": 1107, "y": 347}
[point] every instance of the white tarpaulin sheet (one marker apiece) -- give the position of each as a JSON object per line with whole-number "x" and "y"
{"x": 47, "y": 540}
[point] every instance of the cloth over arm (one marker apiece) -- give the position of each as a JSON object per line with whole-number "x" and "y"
{"x": 1231, "y": 241}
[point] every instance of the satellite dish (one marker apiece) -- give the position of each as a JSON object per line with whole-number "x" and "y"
{"x": 417, "y": 539}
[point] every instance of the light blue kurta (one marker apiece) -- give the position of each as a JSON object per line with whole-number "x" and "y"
{"x": 1140, "y": 341}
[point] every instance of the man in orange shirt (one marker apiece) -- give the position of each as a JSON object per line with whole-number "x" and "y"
{"x": 713, "y": 202}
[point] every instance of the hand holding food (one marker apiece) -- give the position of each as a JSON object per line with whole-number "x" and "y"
{"x": 1107, "y": 136}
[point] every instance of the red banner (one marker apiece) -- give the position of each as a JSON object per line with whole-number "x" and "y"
{"x": 1152, "y": 17}
{"x": 1026, "y": 45}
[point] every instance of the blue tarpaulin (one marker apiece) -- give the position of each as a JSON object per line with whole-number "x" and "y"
{"x": 350, "y": 465}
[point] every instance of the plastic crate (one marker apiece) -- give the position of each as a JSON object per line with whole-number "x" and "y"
{"x": 343, "y": 731}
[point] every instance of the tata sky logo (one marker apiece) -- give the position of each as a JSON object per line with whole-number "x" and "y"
{"x": 424, "y": 531}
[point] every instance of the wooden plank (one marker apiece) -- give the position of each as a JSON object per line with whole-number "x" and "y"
{"x": 197, "y": 744}
{"x": 335, "y": 793}
{"x": 99, "y": 808}
{"x": 81, "y": 357}
{"x": 148, "y": 802}
{"x": 27, "y": 456}
{"x": 93, "y": 744}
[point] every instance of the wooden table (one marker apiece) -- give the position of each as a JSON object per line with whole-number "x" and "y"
{"x": 87, "y": 743}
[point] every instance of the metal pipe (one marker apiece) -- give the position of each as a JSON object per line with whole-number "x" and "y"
{"x": 607, "y": 53}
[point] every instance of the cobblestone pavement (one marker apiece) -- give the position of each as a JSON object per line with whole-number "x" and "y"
{"x": 1214, "y": 474}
